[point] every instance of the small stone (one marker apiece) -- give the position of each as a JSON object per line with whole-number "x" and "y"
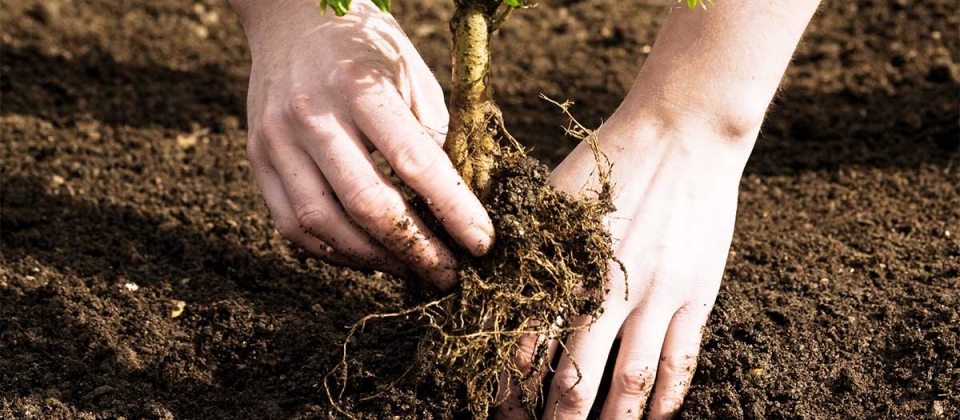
{"x": 202, "y": 32}
{"x": 58, "y": 180}
{"x": 210, "y": 18}
{"x": 131, "y": 287}
{"x": 178, "y": 307}
{"x": 186, "y": 142}
{"x": 606, "y": 32}
{"x": 938, "y": 408}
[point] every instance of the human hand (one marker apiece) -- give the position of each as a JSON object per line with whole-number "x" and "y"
{"x": 676, "y": 197}
{"x": 324, "y": 93}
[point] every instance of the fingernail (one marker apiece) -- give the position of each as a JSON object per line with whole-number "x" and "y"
{"x": 480, "y": 238}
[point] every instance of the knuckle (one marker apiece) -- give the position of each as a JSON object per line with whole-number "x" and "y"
{"x": 271, "y": 135}
{"x": 414, "y": 163}
{"x": 367, "y": 203}
{"x": 576, "y": 393}
{"x": 675, "y": 364}
{"x": 270, "y": 126}
{"x": 312, "y": 216}
{"x": 635, "y": 378}
{"x": 349, "y": 75}
{"x": 259, "y": 161}
{"x": 253, "y": 146}
{"x": 300, "y": 109}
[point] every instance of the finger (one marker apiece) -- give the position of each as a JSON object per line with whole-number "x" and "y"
{"x": 422, "y": 164}
{"x": 371, "y": 199}
{"x": 635, "y": 370}
{"x": 574, "y": 386}
{"x": 316, "y": 210}
{"x": 428, "y": 105}
{"x": 421, "y": 90}
{"x": 678, "y": 361}
{"x": 282, "y": 214}
{"x": 531, "y": 360}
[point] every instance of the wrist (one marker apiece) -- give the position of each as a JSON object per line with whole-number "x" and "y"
{"x": 656, "y": 136}
{"x": 709, "y": 128}
{"x": 266, "y": 18}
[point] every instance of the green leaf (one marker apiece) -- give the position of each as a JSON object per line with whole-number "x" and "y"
{"x": 384, "y": 5}
{"x": 514, "y": 3}
{"x": 693, "y": 3}
{"x": 340, "y": 7}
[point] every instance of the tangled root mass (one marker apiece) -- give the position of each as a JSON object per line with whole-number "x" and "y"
{"x": 548, "y": 267}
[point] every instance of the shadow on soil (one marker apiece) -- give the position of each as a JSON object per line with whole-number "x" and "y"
{"x": 95, "y": 84}
{"x": 860, "y": 130}
{"x": 244, "y": 329}
{"x": 866, "y": 131}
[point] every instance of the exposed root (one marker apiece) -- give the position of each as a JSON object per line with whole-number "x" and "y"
{"x": 550, "y": 262}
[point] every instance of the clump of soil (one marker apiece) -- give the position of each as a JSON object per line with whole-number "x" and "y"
{"x": 549, "y": 263}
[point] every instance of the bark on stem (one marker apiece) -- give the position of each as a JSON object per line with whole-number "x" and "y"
{"x": 470, "y": 142}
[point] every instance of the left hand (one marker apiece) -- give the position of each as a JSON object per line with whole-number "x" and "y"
{"x": 676, "y": 200}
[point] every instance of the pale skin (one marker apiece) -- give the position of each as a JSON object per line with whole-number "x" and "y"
{"x": 678, "y": 142}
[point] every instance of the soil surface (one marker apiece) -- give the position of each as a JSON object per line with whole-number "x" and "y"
{"x": 140, "y": 275}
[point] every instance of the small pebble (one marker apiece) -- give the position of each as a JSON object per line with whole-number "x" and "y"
{"x": 178, "y": 307}
{"x": 938, "y": 408}
{"x": 131, "y": 287}
{"x": 187, "y": 141}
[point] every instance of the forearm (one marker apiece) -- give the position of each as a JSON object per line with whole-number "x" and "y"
{"x": 718, "y": 69}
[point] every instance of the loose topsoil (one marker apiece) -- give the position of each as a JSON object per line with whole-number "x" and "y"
{"x": 140, "y": 276}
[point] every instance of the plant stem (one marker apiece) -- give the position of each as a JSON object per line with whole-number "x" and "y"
{"x": 470, "y": 142}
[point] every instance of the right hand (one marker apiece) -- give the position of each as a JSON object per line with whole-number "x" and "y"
{"x": 326, "y": 91}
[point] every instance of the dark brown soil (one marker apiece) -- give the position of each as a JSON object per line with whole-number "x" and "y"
{"x": 123, "y": 164}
